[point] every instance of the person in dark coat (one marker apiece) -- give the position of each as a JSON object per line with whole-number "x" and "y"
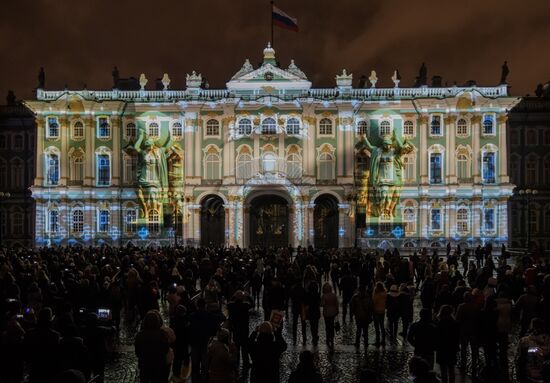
{"x": 265, "y": 348}
{"x": 423, "y": 337}
{"x": 392, "y": 311}
{"x": 11, "y": 352}
{"x": 348, "y": 285}
{"x": 428, "y": 293}
{"x": 312, "y": 302}
{"x": 306, "y": 371}
{"x": 95, "y": 338}
{"x": 238, "y": 316}
{"x": 421, "y": 372}
{"x": 297, "y": 296}
{"x": 152, "y": 346}
{"x": 73, "y": 353}
{"x": 361, "y": 309}
{"x": 406, "y": 309}
{"x": 180, "y": 326}
{"x": 41, "y": 345}
{"x": 447, "y": 343}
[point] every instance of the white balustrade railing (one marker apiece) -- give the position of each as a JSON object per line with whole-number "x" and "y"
{"x": 322, "y": 93}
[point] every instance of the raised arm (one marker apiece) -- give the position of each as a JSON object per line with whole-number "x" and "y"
{"x": 139, "y": 141}
{"x": 365, "y": 142}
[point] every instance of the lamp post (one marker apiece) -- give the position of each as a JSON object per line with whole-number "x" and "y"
{"x": 3, "y": 196}
{"x": 528, "y": 195}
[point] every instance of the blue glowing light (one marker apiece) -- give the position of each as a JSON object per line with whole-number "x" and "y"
{"x": 368, "y": 232}
{"x": 143, "y": 232}
{"x": 398, "y": 231}
{"x": 341, "y": 232}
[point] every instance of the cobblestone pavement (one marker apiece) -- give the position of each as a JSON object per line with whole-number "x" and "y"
{"x": 342, "y": 365}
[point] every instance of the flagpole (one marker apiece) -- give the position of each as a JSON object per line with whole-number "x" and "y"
{"x": 271, "y": 13}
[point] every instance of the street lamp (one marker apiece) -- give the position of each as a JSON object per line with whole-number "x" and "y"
{"x": 3, "y": 196}
{"x": 528, "y": 195}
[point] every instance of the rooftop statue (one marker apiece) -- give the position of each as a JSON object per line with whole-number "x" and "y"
{"x": 41, "y": 78}
{"x": 504, "y": 73}
{"x": 386, "y": 174}
{"x": 245, "y": 69}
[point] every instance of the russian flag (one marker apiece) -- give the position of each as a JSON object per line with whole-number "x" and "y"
{"x": 283, "y": 20}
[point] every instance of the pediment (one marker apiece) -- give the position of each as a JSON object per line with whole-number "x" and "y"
{"x": 268, "y": 75}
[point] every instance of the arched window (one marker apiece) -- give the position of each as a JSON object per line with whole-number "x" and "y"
{"x": 325, "y": 127}
{"x": 436, "y": 166}
{"x": 409, "y": 218}
{"x": 385, "y": 224}
{"x": 17, "y": 174}
{"x": 153, "y": 130}
{"x": 489, "y": 167}
{"x": 489, "y": 219}
{"x": 130, "y": 221}
{"x": 53, "y": 222}
{"x": 17, "y": 223}
{"x": 488, "y": 124}
{"x": 408, "y": 128}
{"x": 269, "y": 126}
{"x": 462, "y": 220}
{"x": 77, "y": 167}
{"x": 212, "y": 166}
{"x": 103, "y": 163}
{"x": 212, "y": 128}
{"x": 293, "y": 126}
{"x": 104, "y": 221}
{"x": 269, "y": 162}
{"x": 154, "y": 221}
{"x": 409, "y": 167}
{"x": 436, "y": 219}
{"x": 463, "y": 166}
{"x": 78, "y": 130}
{"x": 326, "y": 166}
{"x": 52, "y": 168}
{"x": 130, "y": 169}
{"x": 294, "y": 166}
{"x": 531, "y": 170}
{"x": 362, "y": 128}
{"x": 245, "y": 126}
{"x": 244, "y": 167}
{"x": 385, "y": 128}
{"x": 78, "y": 221}
{"x": 104, "y": 127}
{"x": 53, "y": 127}
{"x": 533, "y": 220}
{"x": 177, "y": 130}
{"x": 435, "y": 125}
{"x": 362, "y": 165}
{"x": 131, "y": 131}
{"x": 462, "y": 128}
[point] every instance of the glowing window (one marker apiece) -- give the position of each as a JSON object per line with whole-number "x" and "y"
{"x": 245, "y": 127}
{"x": 462, "y": 220}
{"x": 53, "y": 127}
{"x": 78, "y": 221}
{"x": 293, "y": 126}
{"x": 53, "y": 221}
{"x": 130, "y": 221}
{"x": 104, "y": 221}
{"x": 154, "y": 221}
{"x": 269, "y": 126}
{"x": 488, "y": 124}
{"x": 104, "y": 130}
{"x": 435, "y": 220}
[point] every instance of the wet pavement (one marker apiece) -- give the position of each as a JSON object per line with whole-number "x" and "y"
{"x": 343, "y": 364}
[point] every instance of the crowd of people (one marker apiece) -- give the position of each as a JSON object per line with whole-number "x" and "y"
{"x": 61, "y": 311}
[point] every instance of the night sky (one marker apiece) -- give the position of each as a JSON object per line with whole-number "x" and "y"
{"x": 79, "y": 41}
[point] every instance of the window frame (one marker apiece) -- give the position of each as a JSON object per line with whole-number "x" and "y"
{"x": 79, "y": 222}
{"x": 179, "y": 126}
{"x": 492, "y": 118}
{"x": 153, "y": 127}
{"x": 101, "y": 128}
{"x": 296, "y": 125}
{"x": 206, "y": 166}
{"x": 103, "y": 225}
{"x": 430, "y": 169}
{"x": 78, "y": 124}
{"x": 130, "y": 126}
{"x": 463, "y": 223}
{"x": 268, "y": 130}
{"x": 53, "y": 223}
{"x": 438, "y": 116}
{"x": 439, "y": 212}
{"x": 109, "y": 159}
{"x": 243, "y": 128}
{"x": 409, "y": 124}
{"x": 466, "y": 126}
{"x": 383, "y": 125}
{"x": 362, "y": 128}
{"x": 57, "y": 170}
{"x": 153, "y": 225}
{"x": 321, "y": 163}
{"x": 323, "y": 126}
{"x": 49, "y": 134}
{"x": 214, "y": 125}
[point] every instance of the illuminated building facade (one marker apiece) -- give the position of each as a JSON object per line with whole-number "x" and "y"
{"x": 269, "y": 160}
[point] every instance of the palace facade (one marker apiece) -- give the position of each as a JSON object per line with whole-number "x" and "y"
{"x": 270, "y": 160}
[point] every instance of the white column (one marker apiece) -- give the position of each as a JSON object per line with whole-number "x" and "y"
{"x": 39, "y": 178}
{"x": 423, "y": 211}
{"x": 502, "y": 216}
{"x": 64, "y": 137}
{"x": 340, "y": 155}
{"x": 188, "y": 141}
{"x": 422, "y": 133}
{"x": 475, "y": 148}
{"x": 116, "y": 132}
{"x": 502, "y": 149}
{"x": 450, "y": 126}
{"x": 477, "y": 216}
{"x": 198, "y": 154}
{"x": 89, "y": 168}
{"x": 310, "y": 225}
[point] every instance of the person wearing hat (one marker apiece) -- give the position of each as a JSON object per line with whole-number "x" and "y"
{"x": 265, "y": 349}
{"x": 221, "y": 358}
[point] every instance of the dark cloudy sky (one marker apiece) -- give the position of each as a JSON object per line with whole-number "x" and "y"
{"x": 79, "y": 41}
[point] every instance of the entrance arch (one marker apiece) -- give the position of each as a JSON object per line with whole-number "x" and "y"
{"x": 325, "y": 218}
{"x": 269, "y": 221}
{"x": 212, "y": 221}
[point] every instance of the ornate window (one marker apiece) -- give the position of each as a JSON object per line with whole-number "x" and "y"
{"x": 131, "y": 130}
{"x": 104, "y": 221}
{"x": 489, "y": 124}
{"x": 436, "y": 220}
{"x": 52, "y": 168}
{"x": 245, "y": 127}
{"x": 104, "y": 127}
{"x": 463, "y": 165}
{"x": 409, "y": 218}
{"x": 269, "y": 126}
{"x": 362, "y": 128}
{"x": 130, "y": 169}
{"x": 53, "y": 221}
{"x": 293, "y": 126}
{"x": 78, "y": 221}
{"x": 244, "y": 167}
{"x": 462, "y": 128}
{"x": 435, "y": 125}
{"x": 103, "y": 163}
{"x": 326, "y": 166}
{"x": 385, "y": 128}
{"x": 153, "y": 130}
{"x": 154, "y": 221}
{"x": 77, "y": 166}
{"x": 52, "y": 127}
{"x": 385, "y": 224}
{"x": 78, "y": 130}
{"x": 462, "y": 220}
{"x": 130, "y": 220}
{"x": 408, "y": 128}
{"x": 409, "y": 167}
{"x": 436, "y": 166}
{"x": 325, "y": 127}
{"x": 212, "y": 165}
{"x": 212, "y": 128}
{"x": 489, "y": 167}
{"x": 177, "y": 130}
{"x": 294, "y": 166}
{"x": 489, "y": 219}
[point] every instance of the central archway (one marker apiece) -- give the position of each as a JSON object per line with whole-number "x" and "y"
{"x": 212, "y": 221}
{"x": 325, "y": 217}
{"x": 269, "y": 223}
